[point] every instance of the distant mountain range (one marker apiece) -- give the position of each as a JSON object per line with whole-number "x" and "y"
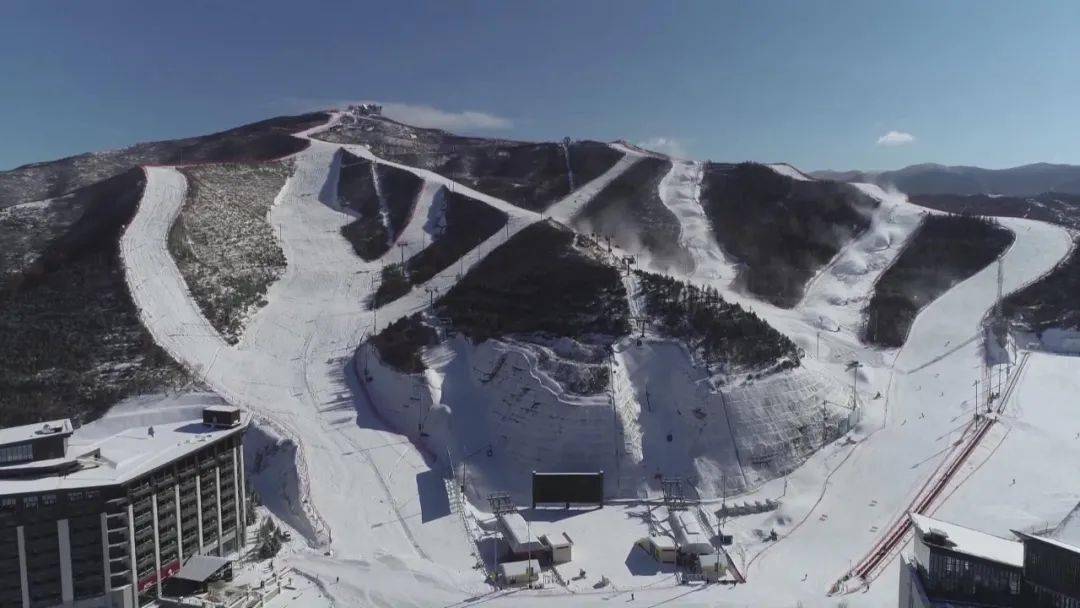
{"x": 930, "y": 178}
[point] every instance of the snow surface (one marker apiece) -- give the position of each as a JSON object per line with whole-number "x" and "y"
{"x": 680, "y": 191}
{"x": 843, "y": 287}
{"x": 377, "y": 504}
{"x": 790, "y": 171}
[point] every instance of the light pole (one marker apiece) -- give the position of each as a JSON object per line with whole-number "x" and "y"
{"x": 854, "y": 367}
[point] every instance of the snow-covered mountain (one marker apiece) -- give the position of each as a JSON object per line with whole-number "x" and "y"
{"x": 931, "y": 178}
{"x": 407, "y": 311}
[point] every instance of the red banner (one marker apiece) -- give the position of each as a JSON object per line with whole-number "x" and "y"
{"x": 165, "y": 572}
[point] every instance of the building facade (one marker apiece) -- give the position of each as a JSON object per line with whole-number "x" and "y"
{"x": 956, "y": 566}
{"x": 104, "y": 522}
{"x": 960, "y": 567}
{"x": 1051, "y": 572}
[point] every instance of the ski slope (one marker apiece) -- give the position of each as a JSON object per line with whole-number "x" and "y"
{"x": 928, "y": 399}
{"x": 680, "y": 191}
{"x": 366, "y": 490}
{"x": 376, "y": 502}
{"x": 836, "y": 296}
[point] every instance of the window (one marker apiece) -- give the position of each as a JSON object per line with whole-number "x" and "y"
{"x": 30, "y": 502}
{"x": 16, "y": 453}
{"x": 48, "y": 499}
{"x": 7, "y": 503}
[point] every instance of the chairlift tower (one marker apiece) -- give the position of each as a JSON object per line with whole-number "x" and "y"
{"x": 501, "y": 503}
{"x": 431, "y": 291}
{"x": 674, "y": 493}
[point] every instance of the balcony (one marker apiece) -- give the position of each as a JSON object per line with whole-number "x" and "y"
{"x": 118, "y": 553}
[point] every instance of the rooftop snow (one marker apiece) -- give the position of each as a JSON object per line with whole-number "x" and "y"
{"x": 515, "y": 569}
{"x": 688, "y": 532}
{"x": 972, "y": 542}
{"x": 518, "y": 533}
{"x": 1050, "y": 540}
{"x": 125, "y": 455}
{"x": 222, "y": 409}
{"x": 29, "y": 432}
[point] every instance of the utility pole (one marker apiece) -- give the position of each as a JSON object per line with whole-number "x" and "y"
{"x": 431, "y": 290}
{"x": 402, "y": 245}
{"x": 976, "y": 399}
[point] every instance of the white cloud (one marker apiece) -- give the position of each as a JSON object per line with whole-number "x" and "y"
{"x": 895, "y": 138}
{"x": 665, "y": 145}
{"x": 428, "y": 116}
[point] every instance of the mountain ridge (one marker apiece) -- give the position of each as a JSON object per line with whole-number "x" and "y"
{"x": 933, "y": 178}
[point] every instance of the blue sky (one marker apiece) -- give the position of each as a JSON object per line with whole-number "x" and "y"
{"x": 817, "y": 84}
